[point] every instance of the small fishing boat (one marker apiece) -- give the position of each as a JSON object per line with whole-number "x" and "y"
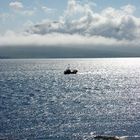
{"x": 69, "y": 71}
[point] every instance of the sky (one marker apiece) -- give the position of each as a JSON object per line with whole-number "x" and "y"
{"x": 69, "y": 28}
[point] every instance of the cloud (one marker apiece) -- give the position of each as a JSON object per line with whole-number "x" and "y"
{"x": 58, "y": 39}
{"x": 16, "y": 5}
{"x": 13, "y": 45}
{"x": 73, "y": 7}
{"x": 80, "y": 25}
{"x": 75, "y": 10}
{"x": 128, "y": 9}
{"x": 47, "y": 10}
{"x": 28, "y": 24}
{"x": 114, "y": 23}
{"x": 20, "y": 9}
{"x": 28, "y": 12}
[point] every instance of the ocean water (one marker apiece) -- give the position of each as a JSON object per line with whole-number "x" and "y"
{"x": 37, "y": 101}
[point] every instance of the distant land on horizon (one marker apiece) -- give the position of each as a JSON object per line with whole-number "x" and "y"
{"x": 67, "y": 52}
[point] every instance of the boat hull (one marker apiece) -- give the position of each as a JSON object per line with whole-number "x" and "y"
{"x": 70, "y": 72}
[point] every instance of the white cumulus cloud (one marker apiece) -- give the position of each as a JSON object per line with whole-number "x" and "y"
{"x": 16, "y": 5}
{"x": 109, "y": 23}
{"x": 80, "y": 24}
{"x": 128, "y": 9}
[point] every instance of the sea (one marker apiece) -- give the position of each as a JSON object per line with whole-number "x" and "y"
{"x": 39, "y": 102}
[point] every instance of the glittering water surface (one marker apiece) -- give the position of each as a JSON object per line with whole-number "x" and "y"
{"x": 37, "y": 101}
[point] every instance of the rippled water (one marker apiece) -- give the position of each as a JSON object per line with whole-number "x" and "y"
{"x": 37, "y": 101}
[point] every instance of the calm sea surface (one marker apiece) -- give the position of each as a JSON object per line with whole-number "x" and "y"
{"x": 37, "y": 101}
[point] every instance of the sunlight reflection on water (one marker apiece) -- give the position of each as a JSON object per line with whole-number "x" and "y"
{"x": 38, "y": 102}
